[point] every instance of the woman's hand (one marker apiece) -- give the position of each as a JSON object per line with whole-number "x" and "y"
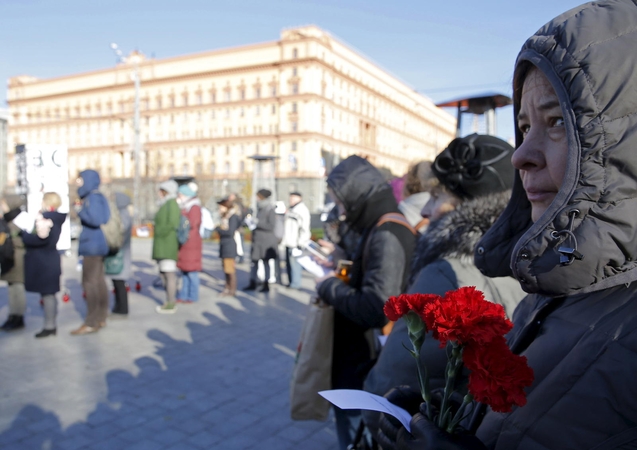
{"x": 327, "y": 276}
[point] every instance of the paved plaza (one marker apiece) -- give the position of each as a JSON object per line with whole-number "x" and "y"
{"x": 215, "y": 375}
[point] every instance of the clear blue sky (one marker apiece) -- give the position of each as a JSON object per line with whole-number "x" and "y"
{"x": 443, "y": 49}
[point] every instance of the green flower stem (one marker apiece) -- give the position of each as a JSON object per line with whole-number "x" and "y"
{"x": 454, "y": 364}
{"x": 459, "y": 414}
{"x": 423, "y": 374}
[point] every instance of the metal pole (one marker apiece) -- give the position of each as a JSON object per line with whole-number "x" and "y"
{"x": 136, "y": 149}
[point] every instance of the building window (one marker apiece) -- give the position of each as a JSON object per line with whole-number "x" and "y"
{"x": 242, "y": 94}
{"x": 227, "y": 113}
{"x": 273, "y": 91}
{"x": 227, "y": 150}
{"x": 212, "y": 114}
{"x": 171, "y": 170}
{"x": 172, "y": 101}
{"x": 184, "y": 99}
{"x": 294, "y": 127}
{"x": 226, "y": 96}
{"x": 294, "y": 71}
{"x": 294, "y": 107}
{"x": 257, "y": 92}
{"x": 295, "y": 88}
{"x": 185, "y": 169}
{"x": 213, "y": 97}
{"x": 241, "y": 112}
{"x": 293, "y": 163}
{"x": 198, "y": 98}
{"x": 295, "y": 53}
{"x": 227, "y": 167}
{"x": 159, "y": 168}
{"x": 158, "y": 105}
{"x": 273, "y": 109}
{"x": 294, "y": 146}
{"x": 242, "y": 167}
{"x": 213, "y": 168}
{"x": 256, "y": 149}
{"x": 257, "y": 110}
{"x": 198, "y": 169}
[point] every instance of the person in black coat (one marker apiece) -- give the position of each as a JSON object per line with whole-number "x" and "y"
{"x": 230, "y": 223}
{"x": 42, "y": 266}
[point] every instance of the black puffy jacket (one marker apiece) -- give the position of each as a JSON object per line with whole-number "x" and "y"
{"x": 381, "y": 267}
{"x": 584, "y": 352}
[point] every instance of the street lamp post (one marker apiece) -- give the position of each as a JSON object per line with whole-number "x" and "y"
{"x": 136, "y": 140}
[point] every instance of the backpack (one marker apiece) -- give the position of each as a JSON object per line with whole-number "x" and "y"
{"x": 207, "y": 224}
{"x": 113, "y": 230}
{"x": 184, "y": 230}
{"x": 7, "y": 259}
{"x": 279, "y": 226}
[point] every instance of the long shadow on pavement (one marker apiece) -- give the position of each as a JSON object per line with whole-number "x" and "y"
{"x": 227, "y": 389}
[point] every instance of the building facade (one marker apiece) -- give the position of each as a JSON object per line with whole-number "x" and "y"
{"x": 307, "y": 99}
{"x": 4, "y": 141}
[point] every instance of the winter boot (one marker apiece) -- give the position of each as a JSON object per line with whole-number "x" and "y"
{"x": 14, "y": 322}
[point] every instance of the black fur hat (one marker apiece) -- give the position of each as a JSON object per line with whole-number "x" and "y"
{"x": 475, "y": 165}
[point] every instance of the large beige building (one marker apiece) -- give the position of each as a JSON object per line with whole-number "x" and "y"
{"x": 305, "y": 99}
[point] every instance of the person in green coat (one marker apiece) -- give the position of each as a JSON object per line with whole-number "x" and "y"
{"x": 165, "y": 244}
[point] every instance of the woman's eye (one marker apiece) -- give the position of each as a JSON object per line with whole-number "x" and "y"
{"x": 524, "y": 129}
{"x": 557, "y": 122}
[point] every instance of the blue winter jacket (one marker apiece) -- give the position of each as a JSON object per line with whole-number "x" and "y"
{"x": 94, "y": 212}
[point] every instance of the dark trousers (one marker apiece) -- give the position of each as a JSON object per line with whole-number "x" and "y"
{"x": 95, "y": 290}
{"x": 121, "y": 297}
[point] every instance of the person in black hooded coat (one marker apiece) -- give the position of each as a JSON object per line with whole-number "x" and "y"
{"x": 380, "y": 270}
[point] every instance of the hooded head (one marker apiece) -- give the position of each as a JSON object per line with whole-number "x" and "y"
{"x": 170, "y": 188}
{"x": 90, "y": 182}
{"x": 357, "y": 184}
{"x": 587, "y": 56}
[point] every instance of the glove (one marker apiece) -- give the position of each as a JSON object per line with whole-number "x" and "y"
{"x": 426, "y": 435}
{"x": 407, "y": 398}
{"x": 296, "y": 252}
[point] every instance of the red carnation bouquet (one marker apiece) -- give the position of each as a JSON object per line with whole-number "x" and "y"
{"x": 472, "y": 329}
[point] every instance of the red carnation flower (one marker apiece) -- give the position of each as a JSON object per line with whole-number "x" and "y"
{"x": 465, "y": 316}
{"x": 418, "y": 302}
{"x": 497, "y": 377}
{"x": 396, "y": 307}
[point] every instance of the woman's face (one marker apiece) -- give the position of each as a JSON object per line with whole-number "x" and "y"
{"x": 438, "y": 205}
{"x": 222, "y": 209}
{"x": 542, "y": 156}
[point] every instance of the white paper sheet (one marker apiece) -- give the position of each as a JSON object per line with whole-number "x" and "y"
{"x": 354, "y": 399}
{"x": 311, "y": 266}
{"x": 24, "y": 221}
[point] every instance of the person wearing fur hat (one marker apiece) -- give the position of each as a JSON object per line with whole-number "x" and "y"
{"x": 165, "y": 244}
{"x": 12, "y": 205}
{"x": 468, "y": 191}
{"x": 190, "y": 256}
{"x": 230, "y": 223}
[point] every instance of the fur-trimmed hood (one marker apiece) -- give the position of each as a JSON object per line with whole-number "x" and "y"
{"x": 456, "y": 234}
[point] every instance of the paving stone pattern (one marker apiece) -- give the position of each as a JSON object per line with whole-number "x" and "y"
{"x": 215, "y": 375}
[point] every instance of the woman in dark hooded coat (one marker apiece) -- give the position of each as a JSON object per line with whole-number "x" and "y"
{"x": 569, "y": 236}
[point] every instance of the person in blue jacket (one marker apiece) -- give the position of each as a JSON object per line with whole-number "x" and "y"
{"x": 94, "y": 212}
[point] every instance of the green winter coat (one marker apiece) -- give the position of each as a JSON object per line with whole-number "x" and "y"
{"x": 165, "y": 244}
